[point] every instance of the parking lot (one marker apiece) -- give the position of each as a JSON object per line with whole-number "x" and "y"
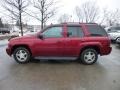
{"x": 60, "y": 75}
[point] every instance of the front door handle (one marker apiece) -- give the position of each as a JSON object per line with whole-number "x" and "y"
{"x": 58, "y": 41}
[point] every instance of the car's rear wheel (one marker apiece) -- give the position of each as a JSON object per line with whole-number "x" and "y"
{"x": 89, "y": 56}
{"x": 21, "y": 55}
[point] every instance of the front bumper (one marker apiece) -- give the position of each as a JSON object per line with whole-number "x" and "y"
{"x": 8, "y": 51}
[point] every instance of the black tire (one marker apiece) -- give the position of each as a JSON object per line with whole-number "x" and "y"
{"x": 26, "y": 52}
{"x": 89, "y": 60}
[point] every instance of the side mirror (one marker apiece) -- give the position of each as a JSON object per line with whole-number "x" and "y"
{"x": 109, "y": 30}
{"x": 41, "y": 36}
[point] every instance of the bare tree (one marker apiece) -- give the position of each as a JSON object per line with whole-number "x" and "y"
{"x": 79, "y": 14}
{"x": 45, "y": 10}
{"x": 112, "y": 17}
{"x": 64, "y": 18}
{"x": 16, "y": 8}
{"x": 88, "y": 12}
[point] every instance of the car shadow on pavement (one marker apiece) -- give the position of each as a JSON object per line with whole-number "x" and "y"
{"x": 62, "y": 62}
{"x": 54, "y": 61}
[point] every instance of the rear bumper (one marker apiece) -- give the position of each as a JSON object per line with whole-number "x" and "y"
{"x": 8, "y": 51}
{"x": 106, "y": 50}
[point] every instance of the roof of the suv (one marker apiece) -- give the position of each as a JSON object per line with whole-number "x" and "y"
{"x": 70, "y": 23}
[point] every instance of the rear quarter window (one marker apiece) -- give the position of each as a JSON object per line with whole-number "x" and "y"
{"x": 96, "y": 30}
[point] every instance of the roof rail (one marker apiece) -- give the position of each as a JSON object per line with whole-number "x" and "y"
{"x": 76, "y": 23}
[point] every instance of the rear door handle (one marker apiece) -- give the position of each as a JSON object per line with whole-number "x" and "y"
{"x": 82, "y": 40}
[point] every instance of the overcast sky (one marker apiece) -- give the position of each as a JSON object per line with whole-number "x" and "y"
{"x": 69, "y": 5}
{"x": 102, "y": 3}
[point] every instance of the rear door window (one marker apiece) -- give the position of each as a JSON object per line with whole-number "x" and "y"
{"x": 75, "y": 31}
{"x": 96, "y": 30}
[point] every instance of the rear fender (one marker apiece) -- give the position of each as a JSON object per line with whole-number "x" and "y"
{"x": 89, "y": 45}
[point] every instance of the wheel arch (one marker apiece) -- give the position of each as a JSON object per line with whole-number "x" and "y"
{"x": 97, "y": 48}
{"x": 22, "y": 45}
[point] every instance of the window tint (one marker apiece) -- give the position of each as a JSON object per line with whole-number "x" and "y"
{"x": 75, "y": 31}
{"x": 96, "y": 30}
{"x": 53, "y": 32}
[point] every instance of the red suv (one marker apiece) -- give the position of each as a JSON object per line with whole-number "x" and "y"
{"x": 67, "y": 41}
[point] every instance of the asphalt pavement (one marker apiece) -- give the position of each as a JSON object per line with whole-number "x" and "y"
{"x": 60, "y": 75}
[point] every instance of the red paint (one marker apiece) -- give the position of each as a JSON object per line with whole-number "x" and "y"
{"x": 63, "y": 46}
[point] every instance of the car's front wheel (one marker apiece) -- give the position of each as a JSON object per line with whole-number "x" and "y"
{"x": 21, "y": 55}
{"x": 89, "y": 56}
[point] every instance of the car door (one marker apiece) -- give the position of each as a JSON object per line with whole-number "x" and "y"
{"x": 73, "y": 40}
{"x": 51, "y": 44}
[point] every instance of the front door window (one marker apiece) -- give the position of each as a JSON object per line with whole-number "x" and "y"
{"x": 53, "y": 32}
